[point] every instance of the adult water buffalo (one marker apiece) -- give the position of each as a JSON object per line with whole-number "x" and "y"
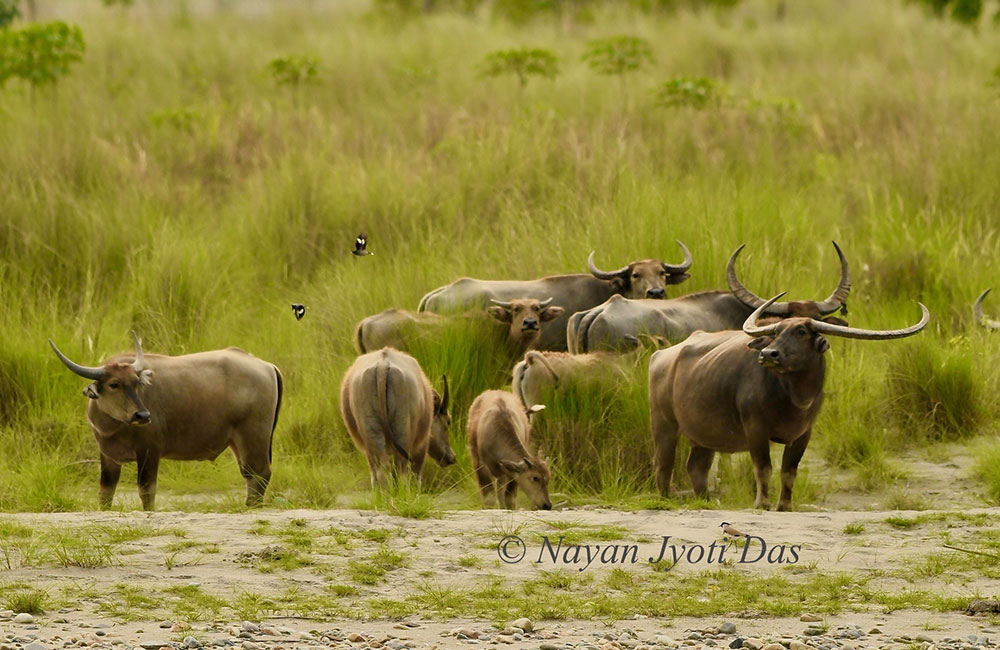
{"x": 396, "y": 328}
{"x": 576, "y": 292}
{"x": 618, "y": 323}
{"x": 977, "y": 309}
{"x": 742, "y": 390}
{"x": 149, "y": 406}
{"x": 389, "y": 408}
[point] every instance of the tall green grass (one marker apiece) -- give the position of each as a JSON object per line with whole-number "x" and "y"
{"x": 170, "y": 186}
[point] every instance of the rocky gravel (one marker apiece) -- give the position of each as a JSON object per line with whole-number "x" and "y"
{"x": 808, "y": 632}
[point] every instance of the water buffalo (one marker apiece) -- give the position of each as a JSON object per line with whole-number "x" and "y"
{"x": 617, "y": 324}
{"x": 499, "y": 445}
{"x": 742, "y": 390}
{"x": 149, "y": 406}
{"x": 540, "y": 373}
{"x": 388, "y": 404}
{"x": 576, "y": 292}
{"x": 977, "y": 309}
{"x": 395, "y": 327}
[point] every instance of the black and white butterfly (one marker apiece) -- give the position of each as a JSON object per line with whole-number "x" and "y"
{"x": 299, "y": 310}
{"x": 359, "y": 245}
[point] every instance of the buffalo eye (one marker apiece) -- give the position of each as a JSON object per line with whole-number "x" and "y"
{"x": 635, "y": 275}
{"x": 113, "y": 385}
{"x": 801, "y": 331}
{"x": 663, "y": 272}
{"x": 536, "y": 479}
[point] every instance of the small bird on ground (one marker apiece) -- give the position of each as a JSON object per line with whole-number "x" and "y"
{"x": 729, "y": 531}
{"x": 359, "y": 245}
{"x": 299, "y": 310}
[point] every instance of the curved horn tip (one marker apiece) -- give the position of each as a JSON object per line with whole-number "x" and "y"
{"x": 546, "y": 303}
{"x": 750, "y": 326}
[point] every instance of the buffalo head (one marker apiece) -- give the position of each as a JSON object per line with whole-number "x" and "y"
{"x": 531, "y": 475}
{"x": 645, "y": 278}
{"x": 116, "y": 385}
{"x": 440, "y": 448}
{"x": 790, "y": 345}
{"x": 525, "y": 316}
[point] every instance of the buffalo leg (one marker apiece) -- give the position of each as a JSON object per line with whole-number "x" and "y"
{"x": 510, "y": 495}
{"x": 110, "y": 473}
{"x": 664, "y": 451}
{"x": 486, "y": 489}
{"x": 698, "y": 465}
{"x": 149, "y": 463}
{"x": 761, "y": 456}
{"x": 789, "y": 468}
{"x": 254, "y": 458}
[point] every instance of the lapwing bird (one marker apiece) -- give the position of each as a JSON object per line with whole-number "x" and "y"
{"x": 299, "y": 310}
{"x": 729, "y": 531}
{"x": 359, "y": 245}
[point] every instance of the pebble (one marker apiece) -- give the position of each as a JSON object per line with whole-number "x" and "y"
{"x": 774, "y": 646}
{"x": 354, "y": 637}
{"x": 727, "y": 628}
{"x": 191, "y": 642}
{"x": 548, "y": 646}
{"x": 24, "y": 617}
{"x": 524, "y": 623}
{"x": 809, "y": 618}
{"x": 35, "y": 645}
{"x": 795, "y": 644}
{"x": 736, "y": 643}
{"x": 923, "y": 638}
{"x": 753, "y": 644}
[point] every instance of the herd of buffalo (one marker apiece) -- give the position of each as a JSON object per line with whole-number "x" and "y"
{"x": 735, "y": 373}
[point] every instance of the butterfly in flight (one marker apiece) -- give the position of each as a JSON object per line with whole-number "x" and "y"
{"x": 359, "y": 245}
{"x": 299, "y": 310}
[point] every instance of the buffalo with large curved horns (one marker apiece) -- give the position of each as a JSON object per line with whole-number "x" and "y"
{"x": 741, "y": 390}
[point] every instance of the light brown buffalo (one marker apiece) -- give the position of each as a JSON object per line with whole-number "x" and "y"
{"x": 399, "y": 328}
{"x": 149, "y": 406}
{"x": 574, "y": 292}
{"x": 499, "y": 445}
{"x": 390, "y": 408}
{"x": 741, "y": 390}
{"x": 540, "y": 374}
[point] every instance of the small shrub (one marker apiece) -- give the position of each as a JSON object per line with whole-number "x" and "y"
{"x": 693, "y": 92}
{"x": 855, "y": 528}
{"x": 8, "y": 12}
{"x": 966, "y": 12}
{"x": 41, "y": 53}
{"x": 524, "y": 63}
{"x": 618, "y": 55}
{"x": 294, "y": 70}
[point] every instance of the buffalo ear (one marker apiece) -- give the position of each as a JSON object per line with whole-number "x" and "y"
{"x": 760, "y": 342}
{"x": 91, "y": 390}
{"x": 146, "y": 377}
{"x": 677, "y": 278}
{"x": 499, "y": 313}
{"x": 526, "y": 463}
{"x": 437, "y": 401}
{"x": 833, "y": 320}
{"x": 552, "y": 313}
{"x": 618, "y": 284}
{"x": 820, "y": 344}
{"x": 512, "y": 466}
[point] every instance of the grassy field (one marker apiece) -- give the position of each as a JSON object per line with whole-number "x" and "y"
{"x": 169, "y": 185}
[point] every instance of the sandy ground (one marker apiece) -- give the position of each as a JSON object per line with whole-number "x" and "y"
{"x": 434, "y": 547}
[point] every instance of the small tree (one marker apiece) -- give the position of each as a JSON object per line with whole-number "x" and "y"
{"x": 294, "y": 70}
{"x": 524, "y": 63}
{"x": 695, "y": 92}
{"x": 40, "y": 53}
{"x": 8, "y": 12}
{"x": 618, "y": 55}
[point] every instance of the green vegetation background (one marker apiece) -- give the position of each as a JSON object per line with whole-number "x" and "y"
{"x": 169, "y": 185}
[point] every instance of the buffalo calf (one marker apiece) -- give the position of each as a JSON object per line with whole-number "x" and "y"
{"x": 499, "y": 445}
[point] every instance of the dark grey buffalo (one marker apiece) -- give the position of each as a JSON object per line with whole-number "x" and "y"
{"x": 619, "y": 323}
{"x": 150, "y": 406}
{"x": 576, "y": 292}
{"x": 740, "y": 391}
